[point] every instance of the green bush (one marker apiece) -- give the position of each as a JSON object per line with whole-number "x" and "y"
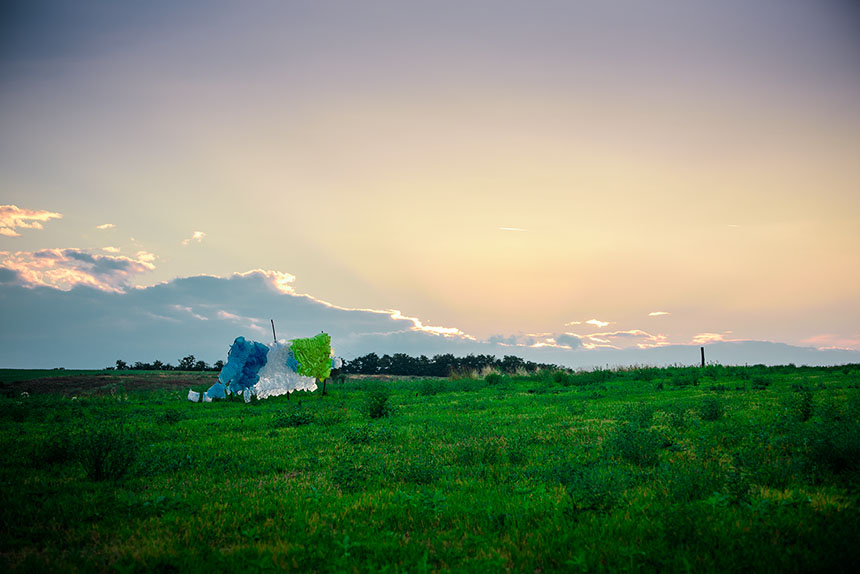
{"x": 798, "y": 405}
{"x": 376, "y": 404}
{"x": 635, "y": 444}
{"x": 107, "y": 450}
{"x": 493, "y": 379}
{"x": 711, "y": 409}
{"x": 294, "y": 418}
{"x": 431, "y": 387}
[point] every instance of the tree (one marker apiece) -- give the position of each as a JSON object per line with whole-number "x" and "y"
{"x": 186, "y": 363}
{"x": 121, "y": 365}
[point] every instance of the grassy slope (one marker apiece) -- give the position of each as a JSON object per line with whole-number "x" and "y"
{"x": 578, "y": 474}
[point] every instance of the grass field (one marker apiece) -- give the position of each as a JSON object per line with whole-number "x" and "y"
{"x": 681, "y": 469}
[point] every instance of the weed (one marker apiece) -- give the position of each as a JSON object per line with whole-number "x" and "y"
{"x": 376, "y": 404}
{"x": 711, "y": 408}
{"x": 293, "y": 418}
{"x": 107, "y": 450}
{"x": 493, "y": 379}
{"x": 635, "y": 444}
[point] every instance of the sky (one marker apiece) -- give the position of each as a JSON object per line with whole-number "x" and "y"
{"x": 578, "y": 180}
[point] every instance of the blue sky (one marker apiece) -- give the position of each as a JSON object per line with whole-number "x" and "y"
{"x": 565, "y": 178}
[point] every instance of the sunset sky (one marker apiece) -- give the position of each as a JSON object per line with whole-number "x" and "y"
{"x": 569, "y": 174}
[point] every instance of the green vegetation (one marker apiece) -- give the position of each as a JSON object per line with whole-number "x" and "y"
{"x": 681, "y": 469}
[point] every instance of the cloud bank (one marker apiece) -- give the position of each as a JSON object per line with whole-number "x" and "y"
{"x": 98, "y": 319}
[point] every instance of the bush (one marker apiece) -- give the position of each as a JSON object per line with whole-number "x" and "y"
{"x": 640, "y": 414}
{"x": 431, "y": 387}
{"x": 294, "y": 418}
{"x": 798, "y": 405}
{"x": 635, "y": 444}
{"x": 366, "y": 434}
{"x": 493, "y": 379}
{"x": 711, "y": 409}
{"x": 107, "y": 451}
{"x": 376, "y": 403}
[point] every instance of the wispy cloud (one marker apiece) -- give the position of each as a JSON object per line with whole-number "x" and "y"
{"x": 67, "y": 268}
{"x": 707, "y": 338}
{"x": 106, "y": 226}
{"x": 597, "y": 323}
{"x": 622, "y": 339}
{"x": 518, "y": 229}
{"x": 658, "y": 313}
{"x": 834, "y": 341}
{"x": 111, "y": 249}
{"x": 196, "y": 238}
{"x": 13, "y": 217}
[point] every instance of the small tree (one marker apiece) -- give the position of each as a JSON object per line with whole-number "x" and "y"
{"x": 186, "y": 363}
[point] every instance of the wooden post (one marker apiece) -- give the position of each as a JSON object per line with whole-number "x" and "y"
{"x": 703, "y": 356}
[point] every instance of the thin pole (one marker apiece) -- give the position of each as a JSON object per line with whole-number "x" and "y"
{"x": 703, "y": 356}
{"x": 275, "y": 337}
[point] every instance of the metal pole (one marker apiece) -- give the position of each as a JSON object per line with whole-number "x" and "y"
{"x": 275, "y": 337}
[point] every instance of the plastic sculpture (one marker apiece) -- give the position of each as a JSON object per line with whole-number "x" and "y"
{"x": 257, "y": 369}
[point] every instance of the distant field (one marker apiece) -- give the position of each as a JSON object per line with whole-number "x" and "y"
{"x": 655, "y": 470}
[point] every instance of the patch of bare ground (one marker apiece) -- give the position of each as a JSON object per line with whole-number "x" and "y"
{"x": 111, "y": 383}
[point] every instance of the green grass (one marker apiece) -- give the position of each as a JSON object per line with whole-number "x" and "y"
{"x": 709, "y": 470}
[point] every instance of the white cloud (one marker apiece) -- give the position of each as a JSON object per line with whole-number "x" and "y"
{"x": 110, "y": 249}
{"x": 105, "y": 226}
{"x": 65, "y": 269}
{"x": 597, "y": 323}
{"x": 13, "y": 217}
{"x": 517, "y": 229}
{"x": 197, "y": 238}
{"x": 658, "y": 313}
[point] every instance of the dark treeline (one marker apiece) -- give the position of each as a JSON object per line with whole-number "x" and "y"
{"x": 438, "y": 365}
{"x": 187, "y": 363}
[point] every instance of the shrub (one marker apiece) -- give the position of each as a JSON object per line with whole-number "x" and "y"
{"x": 640, "y": 414}
{"x": 431, "y": 387}
{"x": 366, "y": 434}
{"x": 170, "y": 417}
{"x": 107, "y": 451}
{"x": 376, "y": 403}
{"x": 331, "y": 415}
{"x": 418, "y": 470}
{"x": 798, "y": 405}
{"x": 493, "y": 379}
{"x": 294, "y": 418}
{"x": 635, "y": 444}
{"x": 711, "y": 409}
{"x": 591, "y": 487}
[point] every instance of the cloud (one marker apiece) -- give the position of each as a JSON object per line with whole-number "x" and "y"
{"x": 627, "y": 339}
{"x": 597, "y": 323}
{"x": 708, "y": 338}
{"x": 88, "y": 326}
{"x": 13, "y": 217}
{"x": 65, "y": 269}
{"x": 658, "y": 313}
{"x": 105, "y": 226}
{"x": 110, "y": 249}
{"x": 833, "y": 341}
{"x": 517, "y": 229}
{"x": 197, "y": 238}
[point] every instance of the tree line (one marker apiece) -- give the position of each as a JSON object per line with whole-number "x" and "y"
{"x": 401, "y": 364}
{"x": 187, "y": 363}
{"x": 438, "y": 366}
